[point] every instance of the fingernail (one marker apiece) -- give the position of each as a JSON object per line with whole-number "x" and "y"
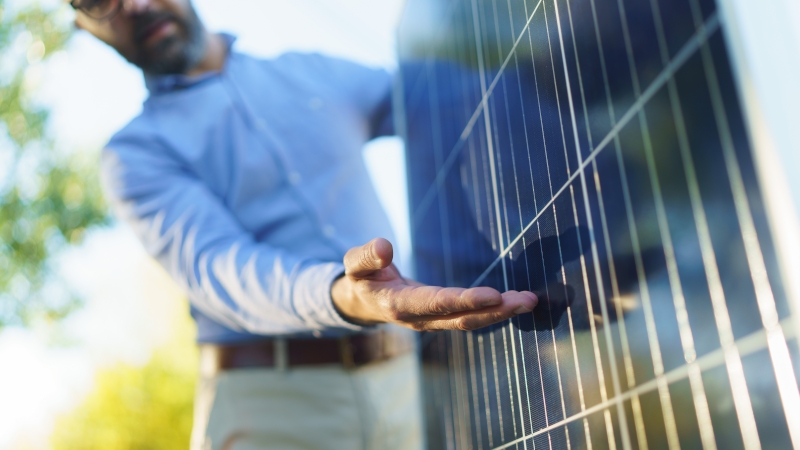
{"x": 533, "y": 296}
{"x": 522, "y": 310}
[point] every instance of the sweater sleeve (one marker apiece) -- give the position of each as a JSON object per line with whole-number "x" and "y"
{"x": 243, "y": 284}
{"x": 369, "y": 89}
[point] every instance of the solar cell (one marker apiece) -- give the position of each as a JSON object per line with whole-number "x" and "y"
{"x": 593, "y": 151}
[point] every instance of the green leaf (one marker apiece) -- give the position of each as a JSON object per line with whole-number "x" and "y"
{"x": 41, "y": 212}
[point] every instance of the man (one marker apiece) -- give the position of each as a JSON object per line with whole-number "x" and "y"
{"x": 244, "y": 178}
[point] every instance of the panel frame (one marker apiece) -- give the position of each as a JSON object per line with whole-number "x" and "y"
{"x": 764, "y": 45}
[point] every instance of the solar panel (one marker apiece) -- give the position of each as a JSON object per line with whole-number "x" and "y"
{"x": 594, "y": 152}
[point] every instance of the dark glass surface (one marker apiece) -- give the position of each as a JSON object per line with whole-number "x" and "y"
{"x": 595, "y": 152}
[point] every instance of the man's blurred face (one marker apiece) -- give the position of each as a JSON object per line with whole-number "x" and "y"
{"x": 159, "y": 36}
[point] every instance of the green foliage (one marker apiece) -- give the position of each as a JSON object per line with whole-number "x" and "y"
{"x": 47, "y": 199}
{"x": 138, "y": 408}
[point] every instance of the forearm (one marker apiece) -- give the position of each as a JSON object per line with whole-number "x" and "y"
{"x": 230, "y": 277}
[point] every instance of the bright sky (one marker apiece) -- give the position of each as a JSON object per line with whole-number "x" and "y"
{"x": 92, "y": 93}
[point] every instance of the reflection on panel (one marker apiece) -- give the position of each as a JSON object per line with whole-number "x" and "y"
{"x": 594, "y": 152}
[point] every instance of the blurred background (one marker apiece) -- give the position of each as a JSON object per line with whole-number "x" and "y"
{"x": 96, "y": 344}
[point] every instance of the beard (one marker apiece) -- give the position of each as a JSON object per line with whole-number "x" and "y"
{"x": 175, "y": 54}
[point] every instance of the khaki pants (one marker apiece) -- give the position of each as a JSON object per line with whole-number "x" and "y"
{"x": 376, "y": 406}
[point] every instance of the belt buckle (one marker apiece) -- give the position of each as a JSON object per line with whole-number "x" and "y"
{"x": 346, "y": 352}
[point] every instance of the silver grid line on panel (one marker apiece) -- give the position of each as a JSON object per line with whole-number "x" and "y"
{"x": 688, "y": 50}
{"x": 741, "y": 396}
{"x": 778, "y": 349}
{"x": 638, "y": 421}
{"x": 428, "y": 198}
{"x": 747, "y": 345}
{"x": 468, "y": 389}
{"x": 710, "y": 26}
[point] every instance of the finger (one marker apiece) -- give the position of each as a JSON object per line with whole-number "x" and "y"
{"x": 514, "y": 303}
{"x": 425, "y": 301}
{"x": 362, "y": 261}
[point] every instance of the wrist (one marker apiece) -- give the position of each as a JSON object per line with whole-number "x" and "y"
{"x": 347, "y": 304}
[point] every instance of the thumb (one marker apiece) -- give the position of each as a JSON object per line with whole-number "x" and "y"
{"x": 362, "y": 261}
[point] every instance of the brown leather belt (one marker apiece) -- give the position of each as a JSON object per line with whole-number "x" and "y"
{"x": 350, "y": 352}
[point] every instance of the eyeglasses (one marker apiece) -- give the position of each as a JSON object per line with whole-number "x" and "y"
{"x": 98, "y": 9}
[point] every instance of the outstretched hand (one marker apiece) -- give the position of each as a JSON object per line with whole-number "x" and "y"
{"x": 373, "y": 291}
